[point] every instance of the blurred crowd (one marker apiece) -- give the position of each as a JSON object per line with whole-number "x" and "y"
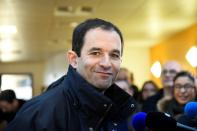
{"x": 178, "y": 88}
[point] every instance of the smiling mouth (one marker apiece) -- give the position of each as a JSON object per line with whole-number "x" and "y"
{"x": 104, "y": 73}
{"x": 183, "y": 97}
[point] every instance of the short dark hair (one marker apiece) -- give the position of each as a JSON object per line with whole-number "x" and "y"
{"x": 150, "y": 82}
{"x": 7, "y": 95}
{"x": 81, "y": 30}
{"x": 182, "y": 74}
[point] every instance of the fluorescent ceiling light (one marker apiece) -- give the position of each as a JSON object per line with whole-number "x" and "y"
{"x": 8, "y": 29}
{"x": 6, "y": 45}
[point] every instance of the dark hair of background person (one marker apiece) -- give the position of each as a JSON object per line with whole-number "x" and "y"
{"x": 7, "y": 95}
{"x": 140, "y": 99}
{"x": 184, "y": 73}
{"x": 151, "y": 82}
{"x": 81, "y": 30}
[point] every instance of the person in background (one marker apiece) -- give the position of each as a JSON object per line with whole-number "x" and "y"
{"x": 86, "y": 98}
{"x": 9, "y": 105}
{"x": 127, "y": 76}
{"x": 124, "y": 74}
{"x": 149, "y": 89}
{"x": 123, "y": 80}
{"x": 3, "y": 118}
{"x": 169, "y": 71}
{"x": 184, "y": 91}
{"x": 125, "y": 86}
{"x": 134, "y": 87}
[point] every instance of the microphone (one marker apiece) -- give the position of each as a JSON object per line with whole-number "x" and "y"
{"x": 190, "y": 109}
{"x": 158, "y": 121}
{"x": 189, "y": 117}
{"x": 138, "y": 121}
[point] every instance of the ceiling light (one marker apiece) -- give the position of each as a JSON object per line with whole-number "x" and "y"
{"x": 6, "y": 45}
{"x": 8, "y": 29}
{"x": 191, "y": 56}
{"x": 156, "y": 69}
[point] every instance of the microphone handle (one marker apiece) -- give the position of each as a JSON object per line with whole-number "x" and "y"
{"x": 185, "y": 127}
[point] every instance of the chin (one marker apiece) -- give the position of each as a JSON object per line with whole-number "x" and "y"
{"x": 103, "y": 84}
{"x": 102, "y": 87}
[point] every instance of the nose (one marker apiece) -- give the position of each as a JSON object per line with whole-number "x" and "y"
{"x": 105, "y": 62}
{"x": 182, "y": 89}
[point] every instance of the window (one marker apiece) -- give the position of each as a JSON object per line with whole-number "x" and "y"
{"x": 20, "y": 83}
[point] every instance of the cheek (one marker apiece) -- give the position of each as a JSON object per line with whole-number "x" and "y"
{"x": 83, "y": 64}
{"x": 116, "y": 66}
{"x": 176, "y": 95}
{"x": 192, "y": 94}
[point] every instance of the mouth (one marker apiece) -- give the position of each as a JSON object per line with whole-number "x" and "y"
{"x": 107, "y": 74}
{"x": 183, "y": 98}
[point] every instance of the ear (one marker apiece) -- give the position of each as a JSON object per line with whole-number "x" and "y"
{"x": 121, "y": 59}
{"x": 72, "y": 58}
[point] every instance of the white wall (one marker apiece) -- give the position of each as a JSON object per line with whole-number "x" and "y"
{"x": 137, "y": 60}
{"x": 56, "y": 67}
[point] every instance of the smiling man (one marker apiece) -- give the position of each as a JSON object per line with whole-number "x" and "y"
{"x": 86, "y": 98}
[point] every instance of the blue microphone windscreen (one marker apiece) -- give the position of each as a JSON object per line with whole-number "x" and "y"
{"x": 190, "y": 109}
{"x": 139, "y": 121}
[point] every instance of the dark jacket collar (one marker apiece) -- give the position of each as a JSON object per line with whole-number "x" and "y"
{"x": 93, "y": 102}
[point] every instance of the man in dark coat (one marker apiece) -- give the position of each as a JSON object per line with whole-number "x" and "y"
{"x": 86, "y": 98}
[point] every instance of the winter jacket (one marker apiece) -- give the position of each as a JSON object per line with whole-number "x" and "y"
{"x": 72, "y": 104}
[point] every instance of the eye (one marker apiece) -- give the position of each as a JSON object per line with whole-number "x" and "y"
{"x": 188, "y": 86}
{"x": 115, "y": 55}
{"x": 95, "y": 53}
{"x": 177, "y": 86}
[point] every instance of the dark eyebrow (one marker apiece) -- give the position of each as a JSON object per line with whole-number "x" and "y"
{"x": 116, "y": 51}
{"x": 99, "y": 49}
{"x": 94, "y": 49}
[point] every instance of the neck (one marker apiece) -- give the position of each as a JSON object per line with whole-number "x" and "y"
{"x": 168, "y": 91}
{"x": 100, "y": 90}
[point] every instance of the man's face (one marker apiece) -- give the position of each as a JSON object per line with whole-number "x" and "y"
{"x": 169, "y": 71}
{"x": 100, "y": 57}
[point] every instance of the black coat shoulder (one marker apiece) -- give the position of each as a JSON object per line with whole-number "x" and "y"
{"x": 41, "y": 113}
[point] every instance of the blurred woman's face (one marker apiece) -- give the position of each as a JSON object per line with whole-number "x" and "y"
{"x": 125, "y": 86}
{"x": 184, "y": 90}
{"x": 148, "y": 90}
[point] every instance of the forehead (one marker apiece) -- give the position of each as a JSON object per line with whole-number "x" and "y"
{"x": 172, "y": 66}
{"x": 183, "y": 79}
{"x": 102, "y": 39}
{"x": 149, "y": 85}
